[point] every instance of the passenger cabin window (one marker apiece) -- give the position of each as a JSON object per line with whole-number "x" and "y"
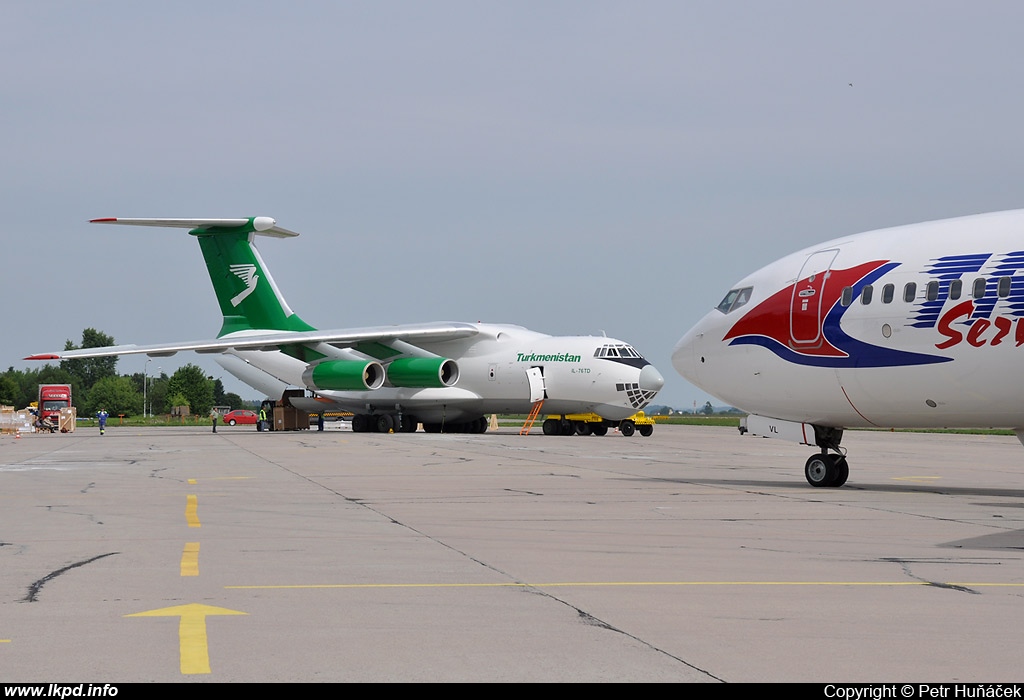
{"x": 847, "y": 297}
{"x": 1004, "y": 287}
{"x": 956, "y": 289}
{"x": 910, "y": 292}
{"x": 865, "y": 294}
{"x": 887, "y": 293}
{"x": 932, "y": 291}
{"x": 978, "y": 290}
{"x": 735, "y": 299}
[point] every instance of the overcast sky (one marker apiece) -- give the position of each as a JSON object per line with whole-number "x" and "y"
{"x": 573, "y": 167}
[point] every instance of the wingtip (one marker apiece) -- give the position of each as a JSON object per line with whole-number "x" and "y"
{"x": 103, "y": 220}
{"x": 43, "y": 357}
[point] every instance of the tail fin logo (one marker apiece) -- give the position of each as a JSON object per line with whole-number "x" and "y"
{"x": 246, "y": 273}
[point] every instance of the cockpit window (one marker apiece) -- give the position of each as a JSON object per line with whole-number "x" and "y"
{"x": 735, "y": 299}
{"x": 617, "y": 351}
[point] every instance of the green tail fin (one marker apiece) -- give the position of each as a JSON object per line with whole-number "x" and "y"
{"x": 248, "y": 297}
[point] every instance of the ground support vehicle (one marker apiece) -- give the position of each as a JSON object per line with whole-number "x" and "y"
{"x": 593, "y": 424}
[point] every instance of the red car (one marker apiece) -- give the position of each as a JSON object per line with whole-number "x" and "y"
{"x": 240, "y": 417}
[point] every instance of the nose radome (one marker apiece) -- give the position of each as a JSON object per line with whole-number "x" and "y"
{"x": 684, "y": 355}
{"x": 651, "y": 379}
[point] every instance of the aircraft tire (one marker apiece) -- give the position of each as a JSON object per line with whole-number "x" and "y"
{"x": 842, "y": 471}
{"x": 646, "y": 430}
{"x": 385, "y": 423}
{"x": 599, "y": 429}
{"x": 408, "y": 424}
{"x": 627, "y": 428}
{"x": 583, "y": 427}
{"x": 826, "y": 470}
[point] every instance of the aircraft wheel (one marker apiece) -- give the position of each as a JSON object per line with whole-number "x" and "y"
{"x": 582, "y": 427}
{"x": 360, "y": 422}
{"x": 599, "y": 429}
{"x": 385, "y": 423}
{"x": 842, "y": 471}
{"x": 431, "y": 427}
{"x": 568, "y": 428}
{"x": 409, "y": 423}
{"x": 627, "y": 427}
{"x": 231, "y": 422}
{"x": 552, "y": 426}
{"x": 483, "y": 424}
{"x": 826, "y": 470}
{"x": 646, "y": 430}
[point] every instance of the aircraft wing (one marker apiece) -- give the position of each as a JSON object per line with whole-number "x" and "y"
{"x": 264, "y": 340}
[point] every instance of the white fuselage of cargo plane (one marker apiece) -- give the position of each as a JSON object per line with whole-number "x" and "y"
{"x": 575, "y": 374}
{"x": 445, "y": 375}
{"x": 914, "y": 326}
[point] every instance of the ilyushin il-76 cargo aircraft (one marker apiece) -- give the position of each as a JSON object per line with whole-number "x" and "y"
{"x": 917, "y": 326}
{"x": 446, "y": 376}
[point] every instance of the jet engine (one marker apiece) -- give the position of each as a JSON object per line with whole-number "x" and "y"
{"x": 423, "y": 372}
{"x": 344, "y": 375}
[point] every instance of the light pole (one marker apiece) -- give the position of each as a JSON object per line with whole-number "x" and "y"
{"x": 145, "y": 381}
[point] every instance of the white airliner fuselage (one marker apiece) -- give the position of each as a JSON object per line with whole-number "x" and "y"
{"x": 914, "y": 326}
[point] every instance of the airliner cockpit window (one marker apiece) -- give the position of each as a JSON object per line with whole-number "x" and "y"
{"x": 617, "y": 351}
{"x": 735, "y": 299}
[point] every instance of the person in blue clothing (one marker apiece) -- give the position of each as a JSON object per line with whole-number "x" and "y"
{"x": 102, "y": 416}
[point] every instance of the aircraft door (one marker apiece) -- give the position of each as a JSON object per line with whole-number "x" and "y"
{"x": 536, "y": 378}
{"x": 805, "y": 312}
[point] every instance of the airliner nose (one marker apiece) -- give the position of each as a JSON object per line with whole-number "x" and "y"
{"x": 683, "y": 354}
{"x": 651, "y": 379}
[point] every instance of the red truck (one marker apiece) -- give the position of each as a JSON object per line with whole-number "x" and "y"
{"x": 52, "y": 398}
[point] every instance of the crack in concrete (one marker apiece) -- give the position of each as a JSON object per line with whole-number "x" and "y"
{"x": 33, "y": 590}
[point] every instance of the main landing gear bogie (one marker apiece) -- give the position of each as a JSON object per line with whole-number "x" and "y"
{"x": 384, "y": 423}
{"x": 826, "y": 470}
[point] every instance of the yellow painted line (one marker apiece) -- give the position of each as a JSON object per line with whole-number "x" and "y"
{"x": 5, "y": 641}
{"x": 613, "y": 583}
{"x": 190, "y": 559}
{"x": 191, "y": 508}
{"x": 192, "y": 482}
{"x": 193, "y": 649}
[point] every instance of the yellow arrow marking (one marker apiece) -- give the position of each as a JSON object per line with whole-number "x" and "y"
{"x": 193, "y": 649}
{"x": 190, "y": 559}
{"x": 191, "y": 508}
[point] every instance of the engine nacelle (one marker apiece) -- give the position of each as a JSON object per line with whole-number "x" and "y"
{"x": 423, "y": 372}
{"x": 344, "y": 375}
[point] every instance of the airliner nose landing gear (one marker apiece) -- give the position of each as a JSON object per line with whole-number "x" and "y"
{"x": 827, "y": 470}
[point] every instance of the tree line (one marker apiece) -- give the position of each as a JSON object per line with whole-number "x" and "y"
{"x": 95, "y": 384}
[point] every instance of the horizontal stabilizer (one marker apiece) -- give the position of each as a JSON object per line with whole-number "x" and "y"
{"x": 262, "y": 225}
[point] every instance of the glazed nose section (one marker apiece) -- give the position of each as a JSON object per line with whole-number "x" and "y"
{"x": 651, "y": 379}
